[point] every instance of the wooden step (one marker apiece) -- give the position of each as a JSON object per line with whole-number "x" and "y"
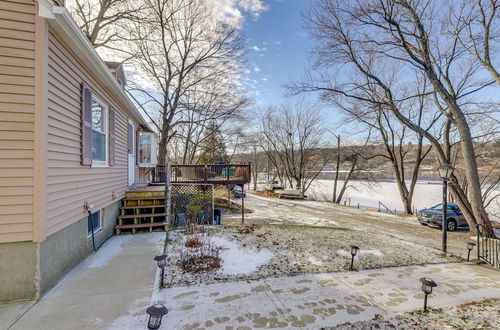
{"x": 133, "y": 207}
{"x": 143, "y": 198}
{"x": 149, "y": 215}
{"x": 142, "y": 225}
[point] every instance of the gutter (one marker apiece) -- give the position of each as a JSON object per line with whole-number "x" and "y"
{"x": 63, "y": 23}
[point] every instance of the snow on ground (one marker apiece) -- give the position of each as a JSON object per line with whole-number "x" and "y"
{"x": 258, "y": 251}
{"x": 238, "y": 260}
{"x": 427, "y": 194}
{"x": 475, "y": 315}
{"x": 360, "y": 253}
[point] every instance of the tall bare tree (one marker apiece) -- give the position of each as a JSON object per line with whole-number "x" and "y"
{"x": 106, "y": 22}
{"x": 180, "y": 45}
{"x": 384, "y": 44}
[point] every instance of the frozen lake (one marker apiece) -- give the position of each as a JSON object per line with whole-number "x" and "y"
{"x": 368, "y": 195}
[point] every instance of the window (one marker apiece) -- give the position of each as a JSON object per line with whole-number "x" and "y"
{"x": 99, "y": 132}
{"x": 94, "y": 222}
{"x": 147, "y": 149}
{"x": 439, "y": 207}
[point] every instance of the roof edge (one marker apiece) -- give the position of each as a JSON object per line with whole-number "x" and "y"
{"x": 61, "y": 21}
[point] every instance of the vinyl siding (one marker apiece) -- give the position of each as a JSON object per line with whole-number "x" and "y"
{"x": 17, "y": 72}
{"x": 69, "y": 184}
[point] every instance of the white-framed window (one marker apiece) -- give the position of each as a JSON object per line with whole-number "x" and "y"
{"x": 94, "y": 221}
{"x": 147, "y": 149}
{"x": 100, "y": 132}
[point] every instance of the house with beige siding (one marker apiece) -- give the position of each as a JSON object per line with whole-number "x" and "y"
{"x": 69, "y": 138}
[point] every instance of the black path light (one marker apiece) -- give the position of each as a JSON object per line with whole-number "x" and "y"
{"x": 470, "y": 247}
{"x": 445, "y": 172}
{"x": 156, "y": 312}
{"x": 162, "y": 262}
{"x": 354, "y": 250}
{"x": 427, "y": 285}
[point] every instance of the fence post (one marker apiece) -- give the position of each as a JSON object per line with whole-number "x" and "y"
{"x": 358, "y": 206}
{"x": 478, "y": 253}
{"x": 379, "y": 206}
{"x": 166, "y": 193}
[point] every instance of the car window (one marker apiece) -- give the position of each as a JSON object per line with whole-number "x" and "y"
{"x": 439, "y": 207}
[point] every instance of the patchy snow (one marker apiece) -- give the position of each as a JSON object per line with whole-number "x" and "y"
{"x": 237, "y": 260}
{"x": 315, "y": 261}
{"x": 376, "y": 253}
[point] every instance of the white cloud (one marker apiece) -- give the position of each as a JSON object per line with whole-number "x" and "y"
{"x": 257, "y": 48}
{"x": 256, "y": 68}
{"x": 233, "y": 11}
{"x": 264, "y": 79}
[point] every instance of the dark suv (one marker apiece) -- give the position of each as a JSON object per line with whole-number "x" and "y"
{"x": 434, "y": 217}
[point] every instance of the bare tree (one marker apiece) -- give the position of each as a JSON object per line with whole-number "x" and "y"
{"x": 106, "y": 22}
{"x": 180, "y": 45}
{"x": 385, "y": 43}
{"x": 476, "y": 25}
{"x": 294, "y": 132}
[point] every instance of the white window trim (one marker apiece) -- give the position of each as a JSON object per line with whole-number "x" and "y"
{"x": 100, "y": 163}
{"x": 100, "y": 225}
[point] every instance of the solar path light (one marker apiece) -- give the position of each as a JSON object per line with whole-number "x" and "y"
{"x": 156, "y": 312}
{"x": 470, "y": 247}
{"x": 162, "y": 262}
{"x": 354, "y": 250}
{"x": 427, "y": 285}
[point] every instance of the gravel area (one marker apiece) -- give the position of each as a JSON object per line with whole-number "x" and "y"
{"x": 475, "y": 315}
{"x": 256, "y": 251}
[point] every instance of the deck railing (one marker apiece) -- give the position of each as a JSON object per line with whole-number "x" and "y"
{"x": 488, "y": 247}
{"x": 210, "y": 173}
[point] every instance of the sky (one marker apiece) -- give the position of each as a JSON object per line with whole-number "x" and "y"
{"x": 277, "y": 49}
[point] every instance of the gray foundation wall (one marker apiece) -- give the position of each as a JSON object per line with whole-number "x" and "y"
{"x": 18, "y": 271}
{"x": 62, "y": 251}
{"x": 28, "y": 270}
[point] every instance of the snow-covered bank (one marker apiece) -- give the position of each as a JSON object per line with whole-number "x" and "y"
{"x": 368, "y": 195}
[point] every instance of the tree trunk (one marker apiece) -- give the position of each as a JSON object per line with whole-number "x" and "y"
{"x": 346, "y": 181}
{"x": 337, "y": 168}
{"x": 162, "y": 149}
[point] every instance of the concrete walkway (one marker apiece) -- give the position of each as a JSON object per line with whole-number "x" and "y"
{"x": 316, "y": 300}
{"x": 107, "y": 290}
{"x": 112, "y": 288}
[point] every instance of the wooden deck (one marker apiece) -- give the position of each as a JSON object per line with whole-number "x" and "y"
{"x": 209, "y": 174}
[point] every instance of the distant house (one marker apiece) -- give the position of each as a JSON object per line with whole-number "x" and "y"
{"x": 69, "y": 138}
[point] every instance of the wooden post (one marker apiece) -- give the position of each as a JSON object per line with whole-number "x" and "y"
{"x": 228, "y": 190}
{"x": 242, "y": 203}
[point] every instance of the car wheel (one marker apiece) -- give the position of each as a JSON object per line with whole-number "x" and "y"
{"x": 452, "y": 225}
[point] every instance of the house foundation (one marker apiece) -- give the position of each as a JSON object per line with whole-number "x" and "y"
{"x": 31, "y": 269}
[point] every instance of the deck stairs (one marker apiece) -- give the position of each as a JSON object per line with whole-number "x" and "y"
{"x": 141, "y": 210}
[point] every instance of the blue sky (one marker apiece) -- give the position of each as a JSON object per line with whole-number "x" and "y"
{"x": 277, "y": 49}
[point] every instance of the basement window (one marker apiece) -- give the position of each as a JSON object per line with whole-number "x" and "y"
{"x": 94, "y": 222}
